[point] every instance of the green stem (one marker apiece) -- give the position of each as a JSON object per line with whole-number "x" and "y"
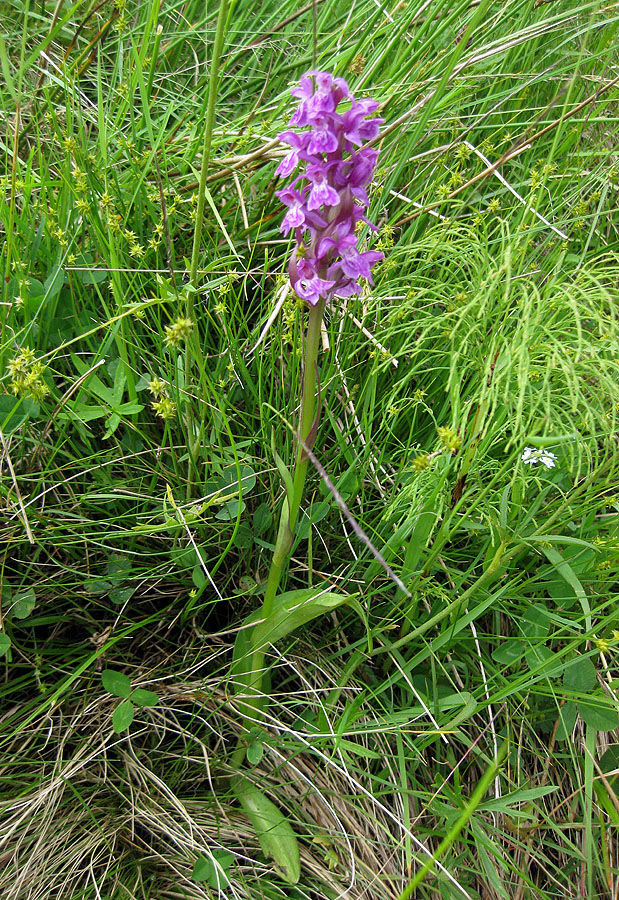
{"x": 193, "y": 441}
{"x": 291, "y": 505}
{"x": 290, "y": 509}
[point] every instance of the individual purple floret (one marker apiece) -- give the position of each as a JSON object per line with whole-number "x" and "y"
{"x": 327, "y": 199}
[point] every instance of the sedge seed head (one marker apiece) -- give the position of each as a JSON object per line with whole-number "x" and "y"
{"x": 165, "y": 408}
{"x": 449, "y": 439}
{"x": 178, "y": 332}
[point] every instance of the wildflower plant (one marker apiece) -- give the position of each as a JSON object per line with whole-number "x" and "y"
{"x": 533, "y": 456}
{"x": 27, "y": 376}
{"x": 327, "y": 199}
{"x": 326, "y": 202}
{"x": 178, "y": 332}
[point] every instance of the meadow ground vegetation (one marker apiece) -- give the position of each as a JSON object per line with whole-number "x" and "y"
{"x": 422, "y": 700}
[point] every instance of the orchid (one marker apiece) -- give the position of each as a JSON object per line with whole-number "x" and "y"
{"x": 325, "y": 201}
{"x": 328, "y": 197}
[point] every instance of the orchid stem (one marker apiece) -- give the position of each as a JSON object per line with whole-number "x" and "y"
{"x": 290, "y": 509}
{"x": 289, "y": 513}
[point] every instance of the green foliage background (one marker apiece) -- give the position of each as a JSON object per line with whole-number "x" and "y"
{"x": 493, "y": 315}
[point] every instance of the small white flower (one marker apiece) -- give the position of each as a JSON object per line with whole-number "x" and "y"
{"x": 531, "y": 457}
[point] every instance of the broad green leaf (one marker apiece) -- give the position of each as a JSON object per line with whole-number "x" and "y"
{"x": 118, "y": 566}
{"x": 312, "y": 516}
{"x": 23, "y": 604}
{"x": 123, "y": 716}
{"x": 536, "y": 623}
{"x": 580, "y": 676}
{"x": 202, "y": 869}
{"x": 130, "y": 408}
{"x": 597, "y": 713}
{"x": 277, "y": 839}
{"x": 508, "y": 652}
{"x": 183, "y": 557}
{"x": 263, "y": 519}
{"x": 227, "y": 484}
{"x": 567, "y": 720}
{"x": 347, "y": 485}
{"x": 120, "y": 380}
{"x": 91, "y": 275}
{"x": 230, "y": 510}
{"x": 198, "y": 576}
{"x": 213, "y": 869}
{"x": 255, "y": 751}
{"x": 292, "y": 610}
{"x": 544, "y": 661}
{"x": 12, "y": 413}
{"x": 610, "y": 760}
{"x": 54, "y": 282}
{"x": 111, "y": 425}
{"x": 5, "y": 643}
{"x": 142, "y": 697}
{"x": 558, "y": 589}
{"x": 120, "y": 595}
{"x": 116, "y": 683}
{"x": 244, "y": 537}
{"x": 98, "y": 586}
{"x": 247, "y": 584}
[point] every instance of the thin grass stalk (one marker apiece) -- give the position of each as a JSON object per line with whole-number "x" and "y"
{"x": 476, "y": 798}
{"x": 193, "y": 441}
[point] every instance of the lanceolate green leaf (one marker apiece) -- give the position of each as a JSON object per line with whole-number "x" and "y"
{"x": 277, "y": 839}
{"x": 291, "y": 610}
{"x": 567, "y": 573}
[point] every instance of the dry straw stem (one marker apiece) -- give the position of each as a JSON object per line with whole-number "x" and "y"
{"x": 94, "y": 799}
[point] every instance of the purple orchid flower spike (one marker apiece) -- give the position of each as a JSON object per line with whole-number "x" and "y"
{"x": 327, "y": 199}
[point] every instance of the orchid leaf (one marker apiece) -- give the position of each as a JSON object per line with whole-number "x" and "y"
{"x": 282, "y": 469}
{"x": 277, "y": 839}
{"x": 291, "y": 610}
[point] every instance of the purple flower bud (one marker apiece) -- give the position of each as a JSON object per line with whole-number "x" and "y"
{"x": 291, "y": 160}
{"x": 322, "y": 193}
{"x": 295, "y": 217}
{"x": 325, "y": 209}
{"x": 306, "y": 281}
